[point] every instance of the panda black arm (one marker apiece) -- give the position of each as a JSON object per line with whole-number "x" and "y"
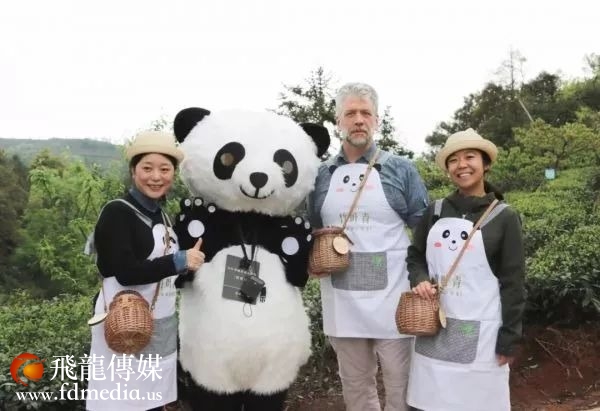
{"x": 297, "y": 275}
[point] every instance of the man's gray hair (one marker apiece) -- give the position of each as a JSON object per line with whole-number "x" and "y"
{"x": 362, "y": 90}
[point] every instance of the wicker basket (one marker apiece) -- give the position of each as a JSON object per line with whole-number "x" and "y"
{"x": 323, "y": 257}
{"x": 128, "y": 326}
{"x": 418, "y": 316}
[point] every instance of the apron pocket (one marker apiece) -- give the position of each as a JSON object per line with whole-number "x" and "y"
{"x": 164, "y": 338}
{"x": 456, "y": 343}
{"x": 367, "y": 272}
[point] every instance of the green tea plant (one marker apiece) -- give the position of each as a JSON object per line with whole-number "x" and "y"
{"x": 564, "y": 277}
{"x": 48, "y": 329}
{"x": 312, "y": 301}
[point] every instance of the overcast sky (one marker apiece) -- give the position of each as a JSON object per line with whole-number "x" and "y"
{"x": 105, "y": 69}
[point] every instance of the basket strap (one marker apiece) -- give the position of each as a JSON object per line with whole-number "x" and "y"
{"x": 360, "y": 188}
{"x": 167, "y": 240}
{"x": 464, "y": 247}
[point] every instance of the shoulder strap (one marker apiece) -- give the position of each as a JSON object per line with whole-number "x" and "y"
{"x": 145, "y": 219}
{"x": 437, "y": 207}
{"x": 360, "y": 188}
{"x": 497, "y": 210}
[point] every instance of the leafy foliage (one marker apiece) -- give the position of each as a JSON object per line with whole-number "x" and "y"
{"x": 517, "y": 170}
{"x": 387, "y": 140}
{"x": 313, "y": 102}
{"x": 493, "y": 112}
{"x": 438, "y": 185}
{"x": 312, "y": 301}
{"x": 573, "y": 142}
{"x": 13, "y": 197}
{"x": 64, "y": 201}
{"x": 55, "y": 327}
{"x": 564, "y": 276}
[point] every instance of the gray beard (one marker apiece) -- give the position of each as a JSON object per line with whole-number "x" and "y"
{"x": 364, "y": 142}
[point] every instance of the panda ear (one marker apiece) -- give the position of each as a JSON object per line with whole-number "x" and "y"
{"x": 319, "y": 134}
{"x": 186, "y": 120}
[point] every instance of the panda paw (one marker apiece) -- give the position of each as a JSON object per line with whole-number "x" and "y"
{"x": 192, "y": 222}
{"x": 296, "y": 239}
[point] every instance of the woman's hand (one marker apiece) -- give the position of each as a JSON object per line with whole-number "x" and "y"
{"x": 194, "y": 257}
{"x": 425, "y": 289}
{"x": 504, "y": 359}
{"x": 314, "y": 274}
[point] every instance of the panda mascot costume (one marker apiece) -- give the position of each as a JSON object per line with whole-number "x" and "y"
{"x": 243, "y": 329}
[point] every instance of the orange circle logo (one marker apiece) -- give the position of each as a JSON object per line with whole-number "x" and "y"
{"x": 33, "y": 369}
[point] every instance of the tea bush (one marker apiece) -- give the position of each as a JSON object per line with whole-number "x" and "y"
{"x": 312, "y": 301}
{"x": 516, "y": 170}
{"x": 564, "y": 277}
{"x": 56, "y": 327}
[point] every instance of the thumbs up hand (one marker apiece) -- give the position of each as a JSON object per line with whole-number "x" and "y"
{"x": 198, "y": 244}
{"x": 194, "y": 257}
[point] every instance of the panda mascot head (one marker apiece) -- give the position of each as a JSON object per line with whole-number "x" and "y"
{"x": 243, "y": 331}
{"x": 249, "y": 161}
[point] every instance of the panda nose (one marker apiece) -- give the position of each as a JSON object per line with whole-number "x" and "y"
{"x": 258, "y": 180}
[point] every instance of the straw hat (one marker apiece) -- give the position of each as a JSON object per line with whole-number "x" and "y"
{"x": 154, "y": 142}
{"x": 463, "y": 140}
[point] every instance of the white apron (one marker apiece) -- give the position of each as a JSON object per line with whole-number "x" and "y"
{"x": 457, "y": 370}
{"x": 361, "y": 302}
{"x": 142, "y": 392}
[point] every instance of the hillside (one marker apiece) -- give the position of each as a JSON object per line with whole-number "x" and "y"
{"x": 90, "y": 151}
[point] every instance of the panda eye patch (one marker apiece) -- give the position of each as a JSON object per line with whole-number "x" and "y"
{"x": 346, "y": 179}
{"x": 226, "y": 159}
{"x": 287, "y": 162}
{"x": 446, "y": 234}
{"x": 464, "y": 235}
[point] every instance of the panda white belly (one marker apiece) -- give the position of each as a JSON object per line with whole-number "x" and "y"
{"x": 229, "y": 346}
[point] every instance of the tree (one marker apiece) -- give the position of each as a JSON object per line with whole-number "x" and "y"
{"x": 593, "y": 62}
{"x": 574, "y": 142}
{"x": 511, "y": 71}
{"x": 501, "y": 106}
{"x": 65, "y": 198}
{"x": 492, "y": 112}
{"x": 13, "y": 196}
{"x": 543, "y": 98}
{"x": 313, "y": 102}
{"x": 386, "y": 140}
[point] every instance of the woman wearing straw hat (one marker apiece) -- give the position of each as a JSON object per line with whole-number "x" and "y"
{"x": 137, "y": 250}
{"x": 466, "y": 365}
